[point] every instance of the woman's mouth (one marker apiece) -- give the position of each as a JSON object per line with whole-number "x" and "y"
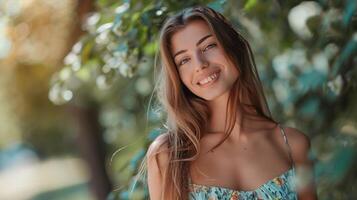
{"x": 209, "y": 80}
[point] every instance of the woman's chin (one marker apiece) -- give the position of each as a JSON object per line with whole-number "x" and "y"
{"x": 214, "y": 96}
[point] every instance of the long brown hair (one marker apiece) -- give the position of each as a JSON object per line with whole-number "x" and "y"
{"x": 188, "y": 114}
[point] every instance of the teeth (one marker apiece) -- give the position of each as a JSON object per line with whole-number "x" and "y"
{"x": 208, "y": 79}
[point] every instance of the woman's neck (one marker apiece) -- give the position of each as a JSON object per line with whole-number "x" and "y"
{"x": 218, "y": 117}
{"x": 218, "y": 111}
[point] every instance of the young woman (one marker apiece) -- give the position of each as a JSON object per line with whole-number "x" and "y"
{"x": 221, "y": 142}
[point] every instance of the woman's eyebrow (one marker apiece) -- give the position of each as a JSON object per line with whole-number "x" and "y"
{"x": 198, "y": 43}
{"x": 203, "y": 39}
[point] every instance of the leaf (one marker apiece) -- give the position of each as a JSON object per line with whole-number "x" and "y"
{"x": 217, "y": 5}
{"x": 154, "y": 134}
{"x": 349, "y": 50}
{"x": 150, "y": 48}
{"x": 313, "y": 24}
{"x": 86, "y": 51}
{"x": 137, "y": 158}
{"x": 250, "y": 4}
{"x": 312, "y": 79}
{"x": 350, "y": 10}
{"x": 145, "y": 19}
{"x": 310, "y": 107}
{"x": 337, "y": 167}
{"x": 122, "y": 47}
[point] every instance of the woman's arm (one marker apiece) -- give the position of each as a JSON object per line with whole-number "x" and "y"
{"x": 300, "y": 147}
{"x": 157, "y": 160}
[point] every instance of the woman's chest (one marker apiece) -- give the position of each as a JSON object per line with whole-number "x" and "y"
{"x": 244, "y": 167}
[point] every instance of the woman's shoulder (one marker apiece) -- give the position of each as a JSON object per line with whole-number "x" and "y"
{"x": 157, "y": 162}
{"x": 299, "y": 142}
{"x": 300, "y": 146}
{"x": 160, "y": 144}
{"x": 158, "y": 151}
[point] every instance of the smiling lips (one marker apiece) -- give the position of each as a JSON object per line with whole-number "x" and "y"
{"x": 211, "y": 78}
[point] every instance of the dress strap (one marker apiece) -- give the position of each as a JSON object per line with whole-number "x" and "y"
{"x": 282, "y": 131}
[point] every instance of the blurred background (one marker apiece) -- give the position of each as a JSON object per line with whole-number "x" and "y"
{"x": 76, "y": 81}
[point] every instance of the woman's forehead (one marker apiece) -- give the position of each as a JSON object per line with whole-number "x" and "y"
{"x": 188, "y": 36}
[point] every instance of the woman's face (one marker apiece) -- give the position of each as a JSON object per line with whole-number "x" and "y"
{"x": 203, "y": 66}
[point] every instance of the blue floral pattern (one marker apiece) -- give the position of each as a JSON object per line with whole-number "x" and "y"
{"x": 278, "y": 188}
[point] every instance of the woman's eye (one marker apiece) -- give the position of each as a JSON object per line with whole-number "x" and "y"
{"x": 210, "y": 46}
{"x": 183, "y": 61}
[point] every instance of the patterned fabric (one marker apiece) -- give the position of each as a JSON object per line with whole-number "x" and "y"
{"x": 278, "y": 188}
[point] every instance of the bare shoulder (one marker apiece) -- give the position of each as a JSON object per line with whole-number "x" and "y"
{"x": 158, "y": 151}
{"x": 158, "y": 145}
{"x": 298, "y": 138}
{"x": 300, "y": 144}
{"x": 157, "y": 161}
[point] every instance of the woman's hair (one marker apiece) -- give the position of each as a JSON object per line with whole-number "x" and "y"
{"x": 188, "y": 114}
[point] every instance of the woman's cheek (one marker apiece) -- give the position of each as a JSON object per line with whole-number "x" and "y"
{"x": 185, "y": 78}
{"x": 211, "y": 55}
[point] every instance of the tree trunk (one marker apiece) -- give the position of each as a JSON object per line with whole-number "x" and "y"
{"x": 91, "y": 145}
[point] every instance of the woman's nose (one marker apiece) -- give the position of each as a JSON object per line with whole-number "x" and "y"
{"x": 201, "y": 62}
